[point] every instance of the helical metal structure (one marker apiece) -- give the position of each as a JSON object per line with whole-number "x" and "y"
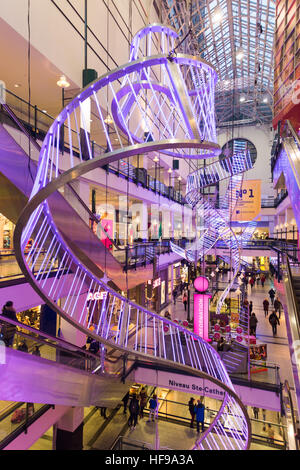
{"x": 173, "y": 95}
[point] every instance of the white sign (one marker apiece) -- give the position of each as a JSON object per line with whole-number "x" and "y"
{"x": 97, "y": 295}
{"x": 183, "y": 383}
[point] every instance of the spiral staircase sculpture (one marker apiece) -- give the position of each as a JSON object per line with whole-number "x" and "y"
{"x": 174, "y": 96}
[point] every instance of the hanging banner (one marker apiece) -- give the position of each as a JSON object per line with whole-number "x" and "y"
{"x": 249, "y": 201}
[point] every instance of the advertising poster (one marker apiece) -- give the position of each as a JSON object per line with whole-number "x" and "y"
{"x": 249, "y": 201}
{"x": 107, "y": 225}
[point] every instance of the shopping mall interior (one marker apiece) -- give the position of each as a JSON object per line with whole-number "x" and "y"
{"x": 149, "y": 225}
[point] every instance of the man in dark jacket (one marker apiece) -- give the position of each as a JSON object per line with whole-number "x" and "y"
{"x": 272, "y": 295}
{"x": 8, "y": 330}
{"x": 134, "y": 409}
{"x": 199, "y": 412}
{"x": 266, "y": 307}
{"x": 253, "y": 324}
{"x": 274, "y": 321}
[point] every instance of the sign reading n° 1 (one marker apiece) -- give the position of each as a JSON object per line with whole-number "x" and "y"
{"x": 248, "y": 204}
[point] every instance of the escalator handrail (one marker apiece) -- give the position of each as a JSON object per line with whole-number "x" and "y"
{"x": 24, "y": 426}
{"x": 293, "y": 296}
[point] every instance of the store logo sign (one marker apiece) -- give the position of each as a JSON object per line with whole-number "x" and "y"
{"x": 96, "y": 295}
{"x": 156, "y": 283}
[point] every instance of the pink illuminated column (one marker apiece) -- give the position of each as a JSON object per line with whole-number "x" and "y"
{"x": 201, "y": 307}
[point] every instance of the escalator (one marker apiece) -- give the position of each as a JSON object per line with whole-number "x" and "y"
{"x": 125, "y": 330}
{"x": 16, "y": 185}
{"x": 286, "y": 171}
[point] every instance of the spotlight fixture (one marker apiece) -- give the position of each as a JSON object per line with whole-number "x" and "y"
{"x": 63, "y": 82}
{"x": 170, "y": 170}
{"x": 265, "y": 99}
{"x": 156, "y": 159}
{"x": 179, "y": 178}
{"x": 17, "y": 85}
{"x": 242, "y": 98}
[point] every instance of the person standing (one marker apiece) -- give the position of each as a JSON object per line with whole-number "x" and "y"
{"x": 191, "y": 405}
{"x": 185, "y": 299}
{"x": 255, "y": 412}
{"x": 103, "y": 411}
{"x": 253, "y": 324}
{"x": 152, "y": 407}
{"x": 263, "y": 280}
{"x": 250, "y": 307}
{"x": 274, "y": 321}
{"x": 125, "y": 402}
{"x": 271, "y": 434}
{"x": 134, "y": 409}
{"x": 8, "y": 330}
{"x": 143, "y": 402}
{"x": 199, "y": 413}
{"x": 174, "y": 293}
{"x": 266, "y": 307}
{"x": 272, "y": 295}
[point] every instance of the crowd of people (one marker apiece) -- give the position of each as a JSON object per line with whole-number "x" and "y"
{"x": 273, "y": 301}
{"x": 137, "y": 406}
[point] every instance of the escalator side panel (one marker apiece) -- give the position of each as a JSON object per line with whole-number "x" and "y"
{"x": 33, "y": 379}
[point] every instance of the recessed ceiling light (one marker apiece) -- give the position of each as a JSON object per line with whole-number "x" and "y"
{"x": 17, "y": 85}
{"x": 44, "y": 111}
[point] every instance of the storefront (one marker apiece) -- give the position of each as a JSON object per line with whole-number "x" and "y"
{"x": 6, "y": 235}
{"x": 157, "y": 291}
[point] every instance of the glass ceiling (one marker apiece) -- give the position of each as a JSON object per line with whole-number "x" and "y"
{"x": 220, "y": 29}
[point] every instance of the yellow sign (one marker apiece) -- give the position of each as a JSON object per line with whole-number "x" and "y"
{"x": 249, "y": 201}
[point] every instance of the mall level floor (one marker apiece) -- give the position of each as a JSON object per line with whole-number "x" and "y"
{"x": 277, "y": 346}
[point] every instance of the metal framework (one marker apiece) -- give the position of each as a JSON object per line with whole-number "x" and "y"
{"x": 219, "y": 29}
{"x": 190, "y": 131}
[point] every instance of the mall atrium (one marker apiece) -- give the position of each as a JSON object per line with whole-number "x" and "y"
{"x": 149, "y": 225}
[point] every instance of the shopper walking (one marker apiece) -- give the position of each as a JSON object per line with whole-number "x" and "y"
{"x": 8, "y": 330}
{"x": 134, "y": 409}
{"x": 185, "y": 299}
{"x": 199, "y": 413}
{"x": 272, "y": 295}
{"x": 250, "y": 307}
{"x": 152, "y": 407}
{"x": 274, "y": 321}
{"x": 125, "y": 402}
{"x": 191, "y": 405}
{"x": 263, "y": 280}
{"x": 143, "y": 401}
{"x": 277, "y": 306}
{"x": 266, "y": 307}
{"x": 174, "y": 293}
{"x": 253, "y": 324}
{"x": 252, "y": 282}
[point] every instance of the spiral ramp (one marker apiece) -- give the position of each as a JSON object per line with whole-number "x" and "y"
{"x": 185, "y": 90}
